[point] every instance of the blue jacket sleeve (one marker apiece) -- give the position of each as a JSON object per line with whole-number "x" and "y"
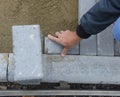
{"x": 100, "y": 16}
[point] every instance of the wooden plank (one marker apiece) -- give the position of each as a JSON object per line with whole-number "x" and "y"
{"x": 88, "y": 46}
{"x": 105, "y": 42}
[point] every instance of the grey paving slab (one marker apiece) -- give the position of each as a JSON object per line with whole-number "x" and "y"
{"x": 117, "y": 48}
{"x": 105, "y": 42}
{"x": 54, "y": 48}
{"x": 84, "y": 6}
{"x": 3, "y": 67}
{"x": 88, "y": 46}
{"x": 81, "y": 69}
{"x": 11, "y": 67}
{"x": 27, "y": 53}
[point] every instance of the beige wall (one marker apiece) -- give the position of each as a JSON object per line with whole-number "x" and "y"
{"x": 52, "y": 15}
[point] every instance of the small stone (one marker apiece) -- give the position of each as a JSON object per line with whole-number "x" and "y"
{"x": 54, "y": 48}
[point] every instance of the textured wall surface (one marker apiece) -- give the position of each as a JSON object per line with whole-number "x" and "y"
{"x": 52, "y": 15}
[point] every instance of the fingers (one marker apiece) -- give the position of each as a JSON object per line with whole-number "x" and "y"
{"x": 61, "y": 38}
{"x": 53, "y": 38}
{"x": 62, "y": 32}
{"x": 64, "y": 52}
{"x": 58, "y": 34}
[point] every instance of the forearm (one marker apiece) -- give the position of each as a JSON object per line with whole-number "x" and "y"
{"x": 98, "y": 18}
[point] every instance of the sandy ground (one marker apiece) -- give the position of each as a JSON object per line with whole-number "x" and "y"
{"x": 52, "y": 15}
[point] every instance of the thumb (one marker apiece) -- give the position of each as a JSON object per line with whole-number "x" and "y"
{"x": 64, "y": 52}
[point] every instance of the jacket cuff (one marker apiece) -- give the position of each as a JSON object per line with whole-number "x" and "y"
{"x": 82, "y": 33}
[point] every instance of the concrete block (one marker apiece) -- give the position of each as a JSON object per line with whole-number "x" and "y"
{"x": 27, "y": 53}
{"x": 81, "y": 69}
{"x": 3, "y": 67}
{"x": 88, "y": 46}
{"x": 117, "y": 48}
{"x": 84, "y": 6}
{"x": 105, "y": 42}
{"x": 54, "y": 48}
{"x": 11, "y": 67}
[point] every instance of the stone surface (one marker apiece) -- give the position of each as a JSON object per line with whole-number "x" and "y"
{"x": 3, "y": 67}
{"x": 84, "y": 6}
{"x": 105, "y": 42}
{"x": 79, "y": 69}
{"x": 117, "y": 48}
{"x": 88, "y": 46}
{"x": 27, "y": 53}
{"x": 82, "y": 69}
{"x": 11, "y": 67}
{"x": 54, "y": 48}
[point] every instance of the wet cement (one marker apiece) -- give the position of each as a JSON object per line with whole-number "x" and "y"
{"x": 52, "y": 15}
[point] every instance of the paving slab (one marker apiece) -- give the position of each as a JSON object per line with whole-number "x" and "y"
{"x": 117, "y": 48}
{"x": 87, "y": 46}
{"x": 27, "y": 52}
{"x": 84, "y": 6}
{"x": 105, "y": 42}
{"x": 11, "y": 67}
{"x": 82, "y": 69}
{"x": 3, "y": 67}
{"x": 54, "y": 48}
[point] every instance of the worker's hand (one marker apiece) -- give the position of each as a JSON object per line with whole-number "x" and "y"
{"x": 67, "y": 39}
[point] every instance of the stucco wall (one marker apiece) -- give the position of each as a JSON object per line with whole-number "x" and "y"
{"x": 52, "y": 15}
